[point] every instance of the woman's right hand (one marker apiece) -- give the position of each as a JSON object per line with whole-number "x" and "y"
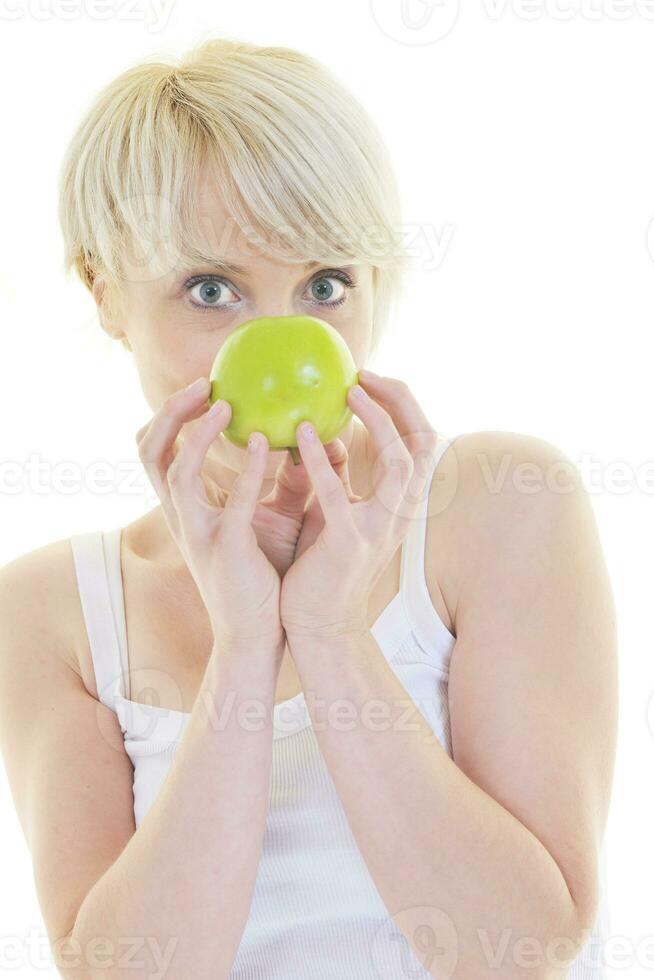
{"x": 238, "y": 585}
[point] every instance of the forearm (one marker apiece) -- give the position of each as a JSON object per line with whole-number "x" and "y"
{"x": 183, "y": 884}
{"x": 431, "y": 838}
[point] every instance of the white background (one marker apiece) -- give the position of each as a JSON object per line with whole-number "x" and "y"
{"x": 523, "y": 137}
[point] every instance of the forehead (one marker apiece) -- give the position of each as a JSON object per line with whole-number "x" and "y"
{"x": 208, "y": 229}
{"x": 238, "y": 244}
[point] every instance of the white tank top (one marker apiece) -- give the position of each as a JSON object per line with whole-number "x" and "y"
{"x": 315, "y": 909}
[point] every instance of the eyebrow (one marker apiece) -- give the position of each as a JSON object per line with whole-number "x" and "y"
{"x": 240, "y": 270}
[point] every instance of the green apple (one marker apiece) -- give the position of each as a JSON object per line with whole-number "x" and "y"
{"x": 278, "y": 371}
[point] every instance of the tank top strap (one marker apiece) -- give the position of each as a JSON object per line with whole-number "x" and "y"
{"x": 429, "y": 629}
{"x": 97, "y": 565}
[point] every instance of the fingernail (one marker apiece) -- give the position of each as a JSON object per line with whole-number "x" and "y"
{"x": 253, "y": 443}
{"x": 358, "y": 392}
{"x": 365, "y": 373}
{"x": 217, "y": 407}
{"x": 196, "y": 386}
{"x": 306, "y": 430}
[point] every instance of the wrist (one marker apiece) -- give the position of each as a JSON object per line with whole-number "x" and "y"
{"x": 237, "y": 692}
{"x": 241, "y": 672}
{"x": 327, "y": 640}
{"x": 258, "y": 660}
{"x": 262, "y": 646}
{"x": 335, "y": 624}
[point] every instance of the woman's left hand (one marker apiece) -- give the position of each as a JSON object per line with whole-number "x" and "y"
{"x": 346, "y": 541}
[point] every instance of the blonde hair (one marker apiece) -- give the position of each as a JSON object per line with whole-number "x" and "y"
{"x": 298, "y": 161}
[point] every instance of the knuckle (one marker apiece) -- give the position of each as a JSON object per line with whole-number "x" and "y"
{"x": 169, "y": 407}
{"x": 176, "y": 473}
{"x": 147, "y": 450}
{"x": 173, "y": 406}
{"x": 146, "y": 454}
{"x": 400, "y": 386}
{"x": 141, "y": 432}
{"x": 385, "y": 414}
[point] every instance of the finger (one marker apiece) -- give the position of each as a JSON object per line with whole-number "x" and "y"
{"x": 327, "y": 485}
{"x": 412, "y": 425}
{"x": 193, "y": 413}
{"x": 339, "y": 456}
{"x": 293, "y": 487}
{"x": 314, "y": 520}
{"x": 393, "y": 460}
{"x": 187, "y": 489}
{"x": 313, "y": 516}
{"x": 244, "y": 492}
{"x": 397, "y": 398}
{"x": 312, "y": 525}
{"x": 156, "y": 440}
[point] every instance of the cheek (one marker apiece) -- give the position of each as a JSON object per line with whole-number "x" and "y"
{"x": 358, "y": 336}
{"x": 171, "y": 351}
{"x": 355, "y": 325}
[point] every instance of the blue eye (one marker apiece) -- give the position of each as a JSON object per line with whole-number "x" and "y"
{"x": 323, "y": 291}
{"x": 208, "y": 291}
{"x": 322, "y": 288}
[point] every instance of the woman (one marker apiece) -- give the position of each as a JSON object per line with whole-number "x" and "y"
{"x": 359, "y": 729}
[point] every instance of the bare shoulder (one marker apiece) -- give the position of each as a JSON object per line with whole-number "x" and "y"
{"x": 39, "y": 617}
{"x": 40, "y": 611}
{"x": 493, "y": 491}
{"x": 533, "y": 677}
{"x": 63, "y": 752}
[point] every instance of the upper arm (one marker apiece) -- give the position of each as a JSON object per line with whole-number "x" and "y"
{"x": 70, "y": 777}
{"x": 533, "y": 675}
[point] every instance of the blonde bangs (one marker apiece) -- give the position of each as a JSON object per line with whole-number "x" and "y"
{"x": 299, "y": 165}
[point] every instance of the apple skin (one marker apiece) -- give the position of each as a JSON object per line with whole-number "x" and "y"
{"x": 276, "y": 372}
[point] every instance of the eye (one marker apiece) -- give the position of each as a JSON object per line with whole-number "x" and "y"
{"x": 208, "y": 291}
{"x": 325, "y": 293}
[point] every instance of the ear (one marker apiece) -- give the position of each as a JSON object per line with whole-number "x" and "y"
{"x": 105, "y": 314}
